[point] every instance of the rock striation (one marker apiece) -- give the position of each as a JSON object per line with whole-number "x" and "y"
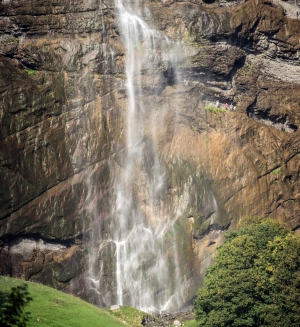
{"x": 62, "y": 112}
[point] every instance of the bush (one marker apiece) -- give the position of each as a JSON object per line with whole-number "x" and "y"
{"x": 255, "y": 280}
{"x": 13, "y": 313}
{"x": 214, "y": 109}
{"x": 30, "y": 71}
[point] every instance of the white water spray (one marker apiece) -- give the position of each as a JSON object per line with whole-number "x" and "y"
{"x": 147, "y": 267}
{"x": 141, "y": 250}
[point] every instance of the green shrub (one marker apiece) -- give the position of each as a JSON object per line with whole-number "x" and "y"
{"x": 30, "y": 71}
{"x": 276, "y": 171}
{"x": 214, "y": 109}
{"x": 255, "y": 280}
{"x": 12, "y": 313}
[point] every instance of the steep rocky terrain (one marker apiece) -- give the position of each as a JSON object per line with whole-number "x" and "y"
{"x": 62, "y": 108}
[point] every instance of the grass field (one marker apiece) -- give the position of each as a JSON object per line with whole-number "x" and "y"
{"x": 53, "y": 308}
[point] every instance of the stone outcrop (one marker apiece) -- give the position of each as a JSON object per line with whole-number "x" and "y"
{"x": 62, "y": 100}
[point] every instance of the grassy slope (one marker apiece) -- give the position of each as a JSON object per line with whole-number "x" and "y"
{"x": 52, "y": 308}
{"x": 132, "y": 316}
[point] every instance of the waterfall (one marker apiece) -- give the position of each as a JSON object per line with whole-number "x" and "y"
{"x": 144, "y": 264}
{"x": 142, "y": 234}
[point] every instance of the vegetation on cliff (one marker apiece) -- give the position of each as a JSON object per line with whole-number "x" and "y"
{"x": 255, "y": 280}
{"x": 214, "y": 109}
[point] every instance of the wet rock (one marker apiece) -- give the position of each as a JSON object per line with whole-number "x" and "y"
{"x": 168, "y": 319}
{"x": 151, "y": 321}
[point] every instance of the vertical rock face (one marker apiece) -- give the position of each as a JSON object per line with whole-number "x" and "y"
{"x": 59, "y": 122}
{"x": 63, "y": 101}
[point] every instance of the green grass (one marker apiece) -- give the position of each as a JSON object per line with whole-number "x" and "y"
{"x": 30, "y": 71}
{"x": 53, "y": 308}
{"x": 276, "y": 171}
{"x": 214, "y": 109}
{"x": 132, "y": 316}
{"x": 190, "y": 323}
{"x": 11, "y": 40}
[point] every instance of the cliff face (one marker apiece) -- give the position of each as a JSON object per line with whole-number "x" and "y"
{"x": 58, "y": 121}
{"x": 63, "y": 112}
{"x": 261, "y": 141}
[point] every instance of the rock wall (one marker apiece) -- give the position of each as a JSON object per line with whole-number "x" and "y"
{"x": 62, "y": 109}
{"x": 58, "y": 125}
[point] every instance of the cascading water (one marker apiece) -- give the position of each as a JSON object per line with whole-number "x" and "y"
{"x": 142, "y": 259}
{"x": 143, "y": 240}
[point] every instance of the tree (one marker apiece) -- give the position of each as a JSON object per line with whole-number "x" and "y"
{"x": 255, "y": 280}
{"x": 12, "y": 313}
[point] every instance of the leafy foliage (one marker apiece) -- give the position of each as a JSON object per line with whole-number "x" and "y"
{"x": 13, "y": 313}
{"x": 255, "y": 280}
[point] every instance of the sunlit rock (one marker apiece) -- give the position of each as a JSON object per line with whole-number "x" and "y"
{"x": 117, "y": 175}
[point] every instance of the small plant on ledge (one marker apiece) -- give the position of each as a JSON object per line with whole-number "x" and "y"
{"x": 214, "y": 109}
{"x": 30, "y": 71}
{"x": 276, "y": 171}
